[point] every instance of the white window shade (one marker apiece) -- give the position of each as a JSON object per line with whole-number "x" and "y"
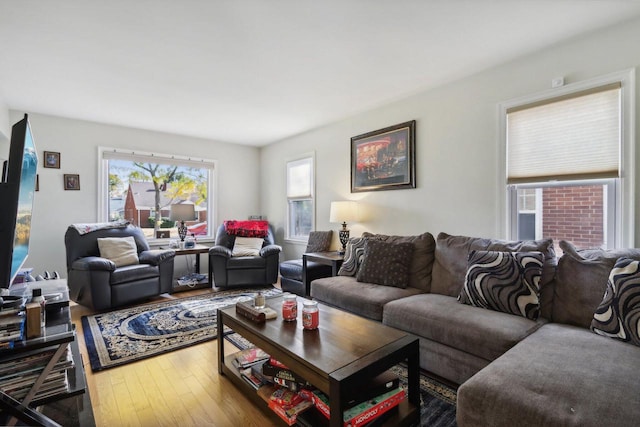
{"x": 573, "y": 137}
{"x": 299, "y": 179}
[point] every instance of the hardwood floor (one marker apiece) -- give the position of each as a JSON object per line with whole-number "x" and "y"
{"x": 178, "y": 388}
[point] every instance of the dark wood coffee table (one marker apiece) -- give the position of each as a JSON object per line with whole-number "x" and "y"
{"x": 344, "y": 353}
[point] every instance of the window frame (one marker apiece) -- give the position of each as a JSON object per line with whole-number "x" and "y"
{"x": 306, "y": 157}
{"x": 620, "y": 200}
{"x": 103, "y": 183}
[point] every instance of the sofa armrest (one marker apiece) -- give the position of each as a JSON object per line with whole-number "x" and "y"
{"x": 156, "y": 256}
{"x": 270, "y": 250}
{"x": 93, "y": 263}
{"x": 220, "y": 251}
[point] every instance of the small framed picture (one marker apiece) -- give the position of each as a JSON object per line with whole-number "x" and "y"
{"x": 51, "y": 159}
{"x": 71, "y": 181}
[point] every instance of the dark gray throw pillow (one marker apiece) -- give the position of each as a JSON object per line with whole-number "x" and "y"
{"x": 319, "y": 241}
{"x": 386, "y": 264}
{"x": 352, "y": 256}
{"x": 618, "y": 316}
{"x": 508, "y": 282}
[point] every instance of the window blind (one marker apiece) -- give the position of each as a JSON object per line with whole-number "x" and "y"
{"x": 299, "y": 174}
{"x": 576, "y": 136}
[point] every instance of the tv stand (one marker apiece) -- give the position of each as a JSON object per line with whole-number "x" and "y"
{"x": 59, "y": 337}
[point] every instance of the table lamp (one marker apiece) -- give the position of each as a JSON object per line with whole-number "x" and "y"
{"x": 343, "y": 211}
{"x": 182, "y": 212}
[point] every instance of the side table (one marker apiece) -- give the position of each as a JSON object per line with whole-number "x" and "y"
{"x": 332, "y": 258}
{"x": 196, "y": 250}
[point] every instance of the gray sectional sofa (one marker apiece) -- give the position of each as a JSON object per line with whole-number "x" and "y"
{"x": 551, "y": 371}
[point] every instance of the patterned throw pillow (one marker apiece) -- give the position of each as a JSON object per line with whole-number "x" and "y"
{"x": 504, "y": 281}
{"x": 352, "y": 256}
{"x": 319, "y": 241}
{"x": 618, "y": 315}
{"x": 386, "y": 264}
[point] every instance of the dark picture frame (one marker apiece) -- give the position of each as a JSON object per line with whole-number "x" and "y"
{"x": 51, "y": 159}
{"x": 71, "y": 181}
{"x": 384, "y": 159}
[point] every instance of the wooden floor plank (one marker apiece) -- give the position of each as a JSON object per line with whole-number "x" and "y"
{"x": 182, "y": 387}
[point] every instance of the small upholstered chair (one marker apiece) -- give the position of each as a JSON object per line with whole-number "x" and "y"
{"x": 253, "y": 267}
{"x": 117, "y": 271}
{"x": 291, "y": 271}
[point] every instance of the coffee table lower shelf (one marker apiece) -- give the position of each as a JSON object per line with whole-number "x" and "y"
{"x": 406, "y": 415}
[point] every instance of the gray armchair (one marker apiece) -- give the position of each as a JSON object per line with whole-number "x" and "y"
{"x": 96, "y": 282}
{"x": 228, "y": 271}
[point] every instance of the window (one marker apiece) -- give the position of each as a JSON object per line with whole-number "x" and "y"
{"x": 142, "y": 187}
{"x": 568, "y": 164}
{"x": 300, "y": 204}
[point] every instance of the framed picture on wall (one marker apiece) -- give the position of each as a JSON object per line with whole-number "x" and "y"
{"x": 71, "y": 181}
{"x": 384, "y": 159}
{"x": 51, "y": 159}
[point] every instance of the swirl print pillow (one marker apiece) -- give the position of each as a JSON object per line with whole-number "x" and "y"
{"x": 353, "y": 256}
{"x": 508, "y": 282}
{"x": 618, "y": 315}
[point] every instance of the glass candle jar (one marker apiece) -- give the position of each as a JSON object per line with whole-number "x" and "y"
{"x": 289, "y": 307}
{"x": 310, "y": 315}
{"x": 259, "y": 302}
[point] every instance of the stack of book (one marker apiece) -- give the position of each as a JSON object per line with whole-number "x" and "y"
{"x": 289, "y": 395}
{"x": 18, "y": 374}
{"x": 11, "y": 327}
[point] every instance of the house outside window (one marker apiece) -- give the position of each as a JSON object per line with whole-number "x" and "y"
{"x": 300, "y": 198}
{"x": 569, "y": 164}
{"x": 141, "y": 187}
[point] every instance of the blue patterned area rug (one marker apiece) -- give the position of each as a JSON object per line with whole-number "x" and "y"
{"x": 124, "y": 336}
{"x": 437, "y": 400}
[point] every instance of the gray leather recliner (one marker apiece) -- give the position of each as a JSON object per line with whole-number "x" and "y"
{"x": 95, "y": 282}
{"x": 227, "y": 271}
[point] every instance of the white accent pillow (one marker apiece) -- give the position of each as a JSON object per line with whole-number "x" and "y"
{"x": 247, "y": 246}
{"x": 121, "y": 250}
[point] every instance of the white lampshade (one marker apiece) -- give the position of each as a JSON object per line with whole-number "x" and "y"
{"x": 343, "y": 211}
{"x": 183, "y": 212}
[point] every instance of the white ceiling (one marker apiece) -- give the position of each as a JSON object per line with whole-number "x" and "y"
{"x": 256, "y": 71}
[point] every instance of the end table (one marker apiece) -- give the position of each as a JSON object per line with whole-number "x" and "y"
{"x": 332, "y": 258}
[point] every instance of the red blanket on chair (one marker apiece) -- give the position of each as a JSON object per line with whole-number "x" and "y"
{"x": 247, "y": 228}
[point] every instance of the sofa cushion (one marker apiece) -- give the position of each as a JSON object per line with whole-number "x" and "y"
{"x": 450, "y": 265}
{"x": 385, "y": 263}
{"x": 352, "y": 256}
{"x": 561, "y": 376}
{"x": 121, "y": 250}
{"x": 133, "y": 272}
{"x": 581, "y": 281}
{"x": 504, "y": 281}
{"x": 618, "y": 315}
{"x": 441, "y": 318}
{"x": 361, "y": 298}
{"x": 424, "y": 246}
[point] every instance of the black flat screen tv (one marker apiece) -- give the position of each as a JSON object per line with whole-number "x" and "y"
{"x": 17, "y": 191}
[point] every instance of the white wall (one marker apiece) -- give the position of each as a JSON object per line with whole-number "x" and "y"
{"x": 78, "y": 141}
{"x": 456, "y": 144}
{"x": 5, "y": 129}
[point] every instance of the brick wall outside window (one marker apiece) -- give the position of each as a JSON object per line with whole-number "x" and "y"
{"x": 574, "y": 214}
